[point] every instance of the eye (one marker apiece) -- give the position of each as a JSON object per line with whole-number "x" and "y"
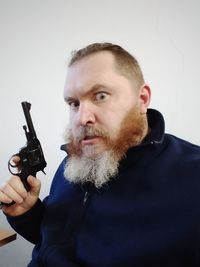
{"x": 74, "y": 104}
{"x": 101, "y": 96}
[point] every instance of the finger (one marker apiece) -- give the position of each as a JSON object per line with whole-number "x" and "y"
{"x": 4, "y": 198}
{"x": 14, "y": 189}
{"x": 12, "y": 194}
{"x": 35, "y": 185}
{"x": 16, "y": 183}
{"x": 15, "y": 161}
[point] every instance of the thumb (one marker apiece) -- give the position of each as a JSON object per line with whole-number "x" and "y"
{"x": 35, "y": 185}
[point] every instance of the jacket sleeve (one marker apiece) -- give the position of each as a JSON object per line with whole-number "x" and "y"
{"x": 28, "y": 224}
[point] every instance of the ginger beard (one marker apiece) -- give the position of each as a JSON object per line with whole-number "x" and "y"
{"x": 86, "y": 165}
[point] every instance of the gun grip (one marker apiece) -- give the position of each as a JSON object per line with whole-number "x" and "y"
{"x": 24, "y": 175}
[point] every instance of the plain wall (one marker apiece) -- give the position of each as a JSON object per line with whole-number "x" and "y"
{"x": 37, "y": 37}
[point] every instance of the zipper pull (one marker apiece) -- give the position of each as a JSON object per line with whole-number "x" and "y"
{"x": 85, "y": 197}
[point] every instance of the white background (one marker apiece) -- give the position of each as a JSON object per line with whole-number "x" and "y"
{"x": 36, "y": 39}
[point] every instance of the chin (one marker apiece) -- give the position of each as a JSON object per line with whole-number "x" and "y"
{"x": 92, "y": 151}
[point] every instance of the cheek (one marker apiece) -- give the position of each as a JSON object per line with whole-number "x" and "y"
{"x": 114, "y": 119}
{"x": 111, "y": 123}
{"x": 72, "y": 120}
{"x": 72, "y": 125}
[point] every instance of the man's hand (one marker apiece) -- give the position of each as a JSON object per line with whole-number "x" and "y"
{"x": 14, "y": 190}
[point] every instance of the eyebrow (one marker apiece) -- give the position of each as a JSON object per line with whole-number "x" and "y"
{"x": 69, "y": 99}
{"x": 93, "y": 89}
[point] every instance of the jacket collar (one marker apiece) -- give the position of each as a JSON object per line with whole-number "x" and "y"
{"x": 157, "y": 127}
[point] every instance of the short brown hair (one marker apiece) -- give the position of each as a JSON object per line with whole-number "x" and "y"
{"x": 126, "y": 64}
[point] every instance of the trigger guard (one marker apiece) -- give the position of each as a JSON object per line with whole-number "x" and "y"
{"x": 13, "y": 166}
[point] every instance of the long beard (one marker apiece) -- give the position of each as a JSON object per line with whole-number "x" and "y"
{"x": 96, "y": 170}
{"x": 100, "y": 168}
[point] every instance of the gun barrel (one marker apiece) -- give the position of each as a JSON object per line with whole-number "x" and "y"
{"x": 26, "y": 108}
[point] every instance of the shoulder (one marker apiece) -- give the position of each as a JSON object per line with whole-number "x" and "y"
{"x": 181, "y": 146}
{"x": 182, "y": 156}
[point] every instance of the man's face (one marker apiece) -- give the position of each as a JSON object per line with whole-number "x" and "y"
{"x": 99, "y": 98}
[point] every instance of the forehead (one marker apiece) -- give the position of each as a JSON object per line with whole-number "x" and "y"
{"x": 97, "y": 61}
{"x": 95, "y": 68}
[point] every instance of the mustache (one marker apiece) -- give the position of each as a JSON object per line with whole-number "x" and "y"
{"x": 89, "y": 131}
{"x": 73, "y": 139}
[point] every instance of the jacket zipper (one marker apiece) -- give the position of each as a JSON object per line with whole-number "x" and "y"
{"x": 85, "y": 197}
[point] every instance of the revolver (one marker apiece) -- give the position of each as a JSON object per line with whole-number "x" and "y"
{"x": 31, "y": 155}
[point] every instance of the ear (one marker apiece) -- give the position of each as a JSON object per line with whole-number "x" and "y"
{"x": 144, "y": 98}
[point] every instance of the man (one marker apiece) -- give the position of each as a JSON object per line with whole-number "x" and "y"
{"x": 127, "y": 194}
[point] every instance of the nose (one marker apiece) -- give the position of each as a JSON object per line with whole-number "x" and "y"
{"x": 85, "y": 115}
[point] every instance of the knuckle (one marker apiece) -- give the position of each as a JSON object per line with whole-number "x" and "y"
{"x": 6, "y": 199}
{"x": 4, "y": 187}
{"x": 14, "y": 180}
{"x": 38, "y": 182}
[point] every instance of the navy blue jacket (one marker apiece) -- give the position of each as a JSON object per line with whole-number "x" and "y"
{"x": 149, "y": 215}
